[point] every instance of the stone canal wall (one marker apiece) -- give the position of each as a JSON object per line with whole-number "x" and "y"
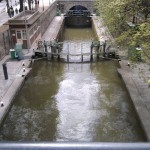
{"x": 139, "y": 93}
{"x": 9, "y": 88}
{"x": 135, "y": 84}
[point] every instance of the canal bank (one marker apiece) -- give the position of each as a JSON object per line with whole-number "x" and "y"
{"x": 139, "y": 92}
{"x": 63, "y": 95}
{"x": 16, "y": 74}
{"x": 135, "y": 76}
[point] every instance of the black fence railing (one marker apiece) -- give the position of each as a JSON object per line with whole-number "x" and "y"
{"x": 78, "y": 13}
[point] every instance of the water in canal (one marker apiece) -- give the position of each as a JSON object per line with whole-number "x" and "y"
{"x": 73, "y": 102}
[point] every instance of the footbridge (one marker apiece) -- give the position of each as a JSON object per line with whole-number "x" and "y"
{"x": 74, "y": 51}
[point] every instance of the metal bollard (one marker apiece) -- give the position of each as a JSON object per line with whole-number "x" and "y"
{"x": 5, "y": 71}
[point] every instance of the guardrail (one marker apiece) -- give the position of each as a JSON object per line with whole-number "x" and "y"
{"x": 75, "y": 146}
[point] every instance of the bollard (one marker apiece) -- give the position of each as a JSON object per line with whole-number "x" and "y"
{"x": 2, "y": 104}
{"x": 5, "y": 71}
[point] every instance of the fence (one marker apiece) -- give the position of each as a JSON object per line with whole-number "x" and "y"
{"x": 75, "y": 146}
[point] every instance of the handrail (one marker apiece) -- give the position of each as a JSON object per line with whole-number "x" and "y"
{"x": 74, "y": 146}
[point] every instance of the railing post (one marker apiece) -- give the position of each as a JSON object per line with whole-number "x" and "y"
{"x": 5, "y": 71}
{"x": 91, "y": 55}
{"x": 68, "y": 54}
{"x": 81, "y": 53}
{"x": 58, "y": 53}
{"x": 45, "y": 47}
{"x": 104, "y": 48}
{"x": 52, "y": 55}
{"x": 98, "y": 46}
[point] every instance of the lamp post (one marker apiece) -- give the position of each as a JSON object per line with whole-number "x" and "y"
{"x": 43, "y": 4}
{"x": 32, "y": 4}
{"x": 26, "y": 27}
{"x": 7, "y": 1}
{"x": 11, "y": 2}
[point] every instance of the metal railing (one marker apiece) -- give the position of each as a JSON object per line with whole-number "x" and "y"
{"x": 75, "y": 146}
{"x": 78, "y": 13}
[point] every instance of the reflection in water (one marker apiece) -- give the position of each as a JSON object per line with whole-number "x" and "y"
{"x": 72, "y": 102}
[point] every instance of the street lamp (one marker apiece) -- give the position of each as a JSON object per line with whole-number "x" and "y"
{"x": 32, "y": 4}
{"x": 7, "y": 1}
{"x": 43, "y": 4}
{"x": 26, "y": 27}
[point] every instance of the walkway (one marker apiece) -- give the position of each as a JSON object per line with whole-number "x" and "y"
{"x": 3, "y": 10}
{"x": 135, "y": 77}
{"x": 16, "y": 75}
{"x": 10, "y": 87}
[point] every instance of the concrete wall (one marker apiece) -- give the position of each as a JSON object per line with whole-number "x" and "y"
{"x": 47, "y": 17}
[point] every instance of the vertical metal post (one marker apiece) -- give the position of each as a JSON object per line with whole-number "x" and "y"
{"x": 104, "y": 48}
{"x": 5, "y": 71}
{"x": 43, "y": 4}
{"x": 45, "y": 47}
{"x": 91, "y": 58}
{"x": 58, "y": 51}
{"x": 52, "y": 55}
{"x": 81, "y": 53}
{"x": 98, "y": 46}
{"x": 7, "y": 4}
{"x": 26, "y": 27}
{"x": 68, "y": 54}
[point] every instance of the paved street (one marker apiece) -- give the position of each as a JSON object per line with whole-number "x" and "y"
{"x": 15, "y": 4}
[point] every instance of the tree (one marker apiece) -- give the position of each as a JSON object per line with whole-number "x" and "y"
{"x": 116, "y": 15}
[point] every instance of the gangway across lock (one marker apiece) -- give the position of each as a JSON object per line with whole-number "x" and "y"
{"x": 74, "y": 51}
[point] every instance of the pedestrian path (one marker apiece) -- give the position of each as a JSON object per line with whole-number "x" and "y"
{"x": 16, "y": 75}
{"x": 3, "y": 9}
{"x": 135, "y": 77}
